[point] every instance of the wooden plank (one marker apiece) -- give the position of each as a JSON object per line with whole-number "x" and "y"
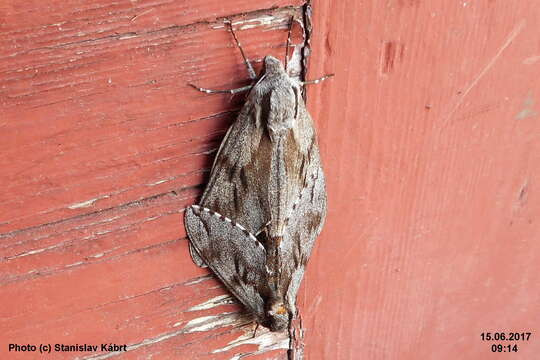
{"x": 430, "y": 137}
{"x": 105, "y": 145}
{"x": 79, "y": 108}
{"x": 121, "y": 276}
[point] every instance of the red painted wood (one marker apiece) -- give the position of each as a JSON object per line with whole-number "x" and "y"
{"x": 430, "y": 137}
{"x": 74, "y": 138}
{"x": 105, "y": 145}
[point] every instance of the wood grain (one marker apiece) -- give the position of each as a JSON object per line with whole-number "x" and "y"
{"x": 431, "y": 140}
{"x": 105, "y": 145}
{"x": 429, "y": 135}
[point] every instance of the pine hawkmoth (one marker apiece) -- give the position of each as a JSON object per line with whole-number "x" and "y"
{"x": 265, "y": 202}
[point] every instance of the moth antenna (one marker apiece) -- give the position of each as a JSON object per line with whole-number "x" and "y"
{"x": 251, "y": 72}
{"x": 230, "y": 91}
{"x": 288, "y": 43}
{"x": 316, "y": 81}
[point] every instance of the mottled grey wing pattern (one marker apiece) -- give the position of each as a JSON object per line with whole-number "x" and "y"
{"x": 265, "y": 202}
{"x": 231, "y": 191}
{"x": 304, "y": 225}
{"x": 232, "y": 253}
{"x": 235, "y": 186}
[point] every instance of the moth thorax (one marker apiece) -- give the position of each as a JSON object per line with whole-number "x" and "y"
{"x": 272, "y": 65}
{"x": 278, "y": 316}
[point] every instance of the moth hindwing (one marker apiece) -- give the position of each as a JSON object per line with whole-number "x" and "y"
{"x": 265, "y": 201}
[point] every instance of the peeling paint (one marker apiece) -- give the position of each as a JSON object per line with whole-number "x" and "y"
{"x": 206, "y": 323}
{"x": 87, "y": 203}
{"x": 212, "y": 303}
{"x": 74, "y": 264}
{"x": 266, "y": 341}
{"x": 199, "y": 280}
{"x": 157, "y": 182}
{"x": 295, "y": 62}
{"x": 33, "y": 252}
{"x": 145, "y": 342}
{"x": 276, "y": 21}
{"x": 83, "y": 204}
{"x": 111, "y": 225}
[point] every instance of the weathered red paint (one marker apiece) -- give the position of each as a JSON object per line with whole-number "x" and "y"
{"x": 431, "y": 139}
{"x": 104, "y": 146}
{"x": 429, "y": 135}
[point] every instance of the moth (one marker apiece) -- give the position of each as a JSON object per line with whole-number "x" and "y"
{"x": 265, "y": 202}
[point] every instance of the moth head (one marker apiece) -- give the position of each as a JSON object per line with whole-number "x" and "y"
{"x": 272, "y": 65}
{"x": 278, "y": 317}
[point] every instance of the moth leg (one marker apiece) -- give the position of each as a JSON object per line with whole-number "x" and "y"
{"x": 316, "y": 81}
{"x": 288, "y": 43}
{"x": 231, "y": 91}
{"x": 251, "y": 72}
{"x": 255, "y": 331}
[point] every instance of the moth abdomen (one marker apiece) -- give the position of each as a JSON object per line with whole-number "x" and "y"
{"x": 277, "y": 315}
